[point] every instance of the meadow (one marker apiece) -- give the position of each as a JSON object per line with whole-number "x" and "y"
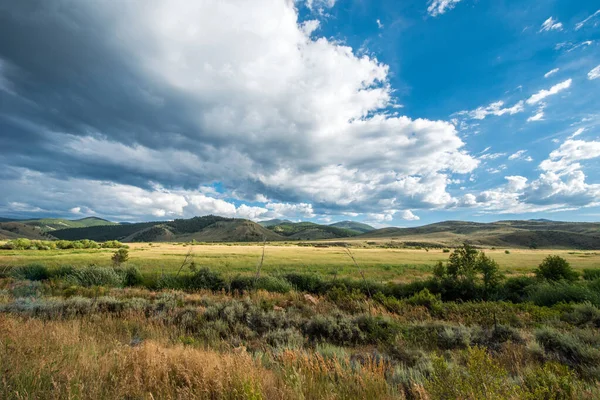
{"x": 312, "y": 324}
{"x": 378, "y": 262}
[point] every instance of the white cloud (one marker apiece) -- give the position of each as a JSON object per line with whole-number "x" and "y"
{"x": 552, "y": 72}
{"x": 577, "y": 133}
{"x": 551, "y": 25}
{"x": 439, "y": 7}
{"x": 520, "y": 155}
{"x": 379, "y": 24}
{"x": 569, "y": 47}
{"x": 594, "y": 73}
{"x": 580, "y": 25}
{"x": 491, "y": 156}
{"x": 319, "y": 4}
{"x": 493, "y": 109}
{"x": 542, "y": 94}
{"x": 539, "y": 116}
{"x": 75, "y": 210}
{"x": 274, "y": 111}
{"x": 407, "y": 215}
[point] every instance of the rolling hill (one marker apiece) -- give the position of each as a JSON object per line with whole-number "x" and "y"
{"x": 15, "y": 230}
{"x": 353, "y": 226}
{"x": 53, "y": 224}
{"x": 524, "y": 234}
{"x": 206, "y": 229}
{"x": 310, "y": 231}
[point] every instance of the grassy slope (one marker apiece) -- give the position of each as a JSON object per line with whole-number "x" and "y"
{"x": 15, "y": 230}
{"x": 541, "y": 234}
{"x": 52, "y": 224}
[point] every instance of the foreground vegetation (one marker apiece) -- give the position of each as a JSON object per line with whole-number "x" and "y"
{"x": 467, "y": 331}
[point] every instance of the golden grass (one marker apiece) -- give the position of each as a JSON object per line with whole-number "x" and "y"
{"x": 398, "y": 265}
{"x": 91, "y": 358}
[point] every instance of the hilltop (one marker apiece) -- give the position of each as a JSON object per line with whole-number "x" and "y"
{"x": 53, "y": 224}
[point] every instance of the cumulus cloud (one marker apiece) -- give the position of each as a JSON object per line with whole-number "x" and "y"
{"x": 161, "y": 97}
{"x": 542, "y": 94}
{"x": 551, "y": 25}
{"x": 409, "y": 216}
{"x": 594, "y": 73}
{"x": 439, "y": 7}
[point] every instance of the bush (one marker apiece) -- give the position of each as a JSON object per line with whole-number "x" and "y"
{"x": 120, "y": 256}
{"x": 131, "y": 276}
{"x": 548, "y": 294}
{"x": 32, "y": 272}
{"x": 550, "y": 381}
{"x": 94, "y": 276}
{"x": 427, "y": 299}
{"x": 516, "y": 289}
{"x": 591, "y": 274}
{"x": 581, "y": 314}
{"x": 556, "y": 268}
{"x": 567, "y": 349}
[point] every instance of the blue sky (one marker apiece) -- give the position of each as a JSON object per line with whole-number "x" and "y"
{"x": 393, "y": 113}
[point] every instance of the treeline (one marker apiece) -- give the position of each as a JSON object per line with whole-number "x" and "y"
{"x": 102, "y": 233}
{"x": 289, "y": 229}
{"x": 27, "y": 244}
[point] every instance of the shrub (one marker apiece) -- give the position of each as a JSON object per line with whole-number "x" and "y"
{"x": 32, "y": 272}
{"x": 506, "y": 251}
{"x": 446, "y": 250}
{"x": 566, "y": 348}
{"x": 427, "y": 299}
{"x": 548, "y": 294}
{"x": 482, "y": 378}
{"x": 288, "y": 338}
{"x": 516, "y": 289}
{"x": 550, "y": 381}
{"x": 581, "y": 314}
{"x": 94, "y": 276}
{"x": 556, "y": 268}
{"x": 120, "y": 256}
{"x": 591, "y": 274}
{"x": 131, "y": 276}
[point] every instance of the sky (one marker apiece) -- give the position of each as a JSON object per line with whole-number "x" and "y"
{"x": 392, "y": 113}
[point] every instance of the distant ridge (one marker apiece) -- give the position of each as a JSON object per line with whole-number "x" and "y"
{"x": 524, "y": 234}
{"x": 539, "y": 233}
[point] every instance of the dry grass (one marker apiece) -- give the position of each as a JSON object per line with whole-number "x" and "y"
{"x": 400, "y": 265}
{"x": 94, "y": 358}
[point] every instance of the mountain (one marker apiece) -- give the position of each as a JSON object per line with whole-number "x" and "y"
{"x": 310, "y": 231}
{"x": 524, "y": 234}
{"x": 353, "y": 226}
{"x": 15, "y": 230}
{"x": 53, "y": 224}
{"x": 209, "y": 228}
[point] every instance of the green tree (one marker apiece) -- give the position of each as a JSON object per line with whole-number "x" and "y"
{"x": 556, "y": 268}
{"x": 490, "y": 274}
{"x": 462, "y": 263}
{"x": 120, "y": 256}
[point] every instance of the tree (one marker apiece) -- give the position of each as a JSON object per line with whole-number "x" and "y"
{"x": 491, "y": 275}
{"x": 461, "y": 264}
{"x": 120, "y": 256}
{"x": 556, "y": 268}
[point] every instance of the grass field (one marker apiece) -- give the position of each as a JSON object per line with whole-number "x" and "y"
{"x": 399, "y": 265}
